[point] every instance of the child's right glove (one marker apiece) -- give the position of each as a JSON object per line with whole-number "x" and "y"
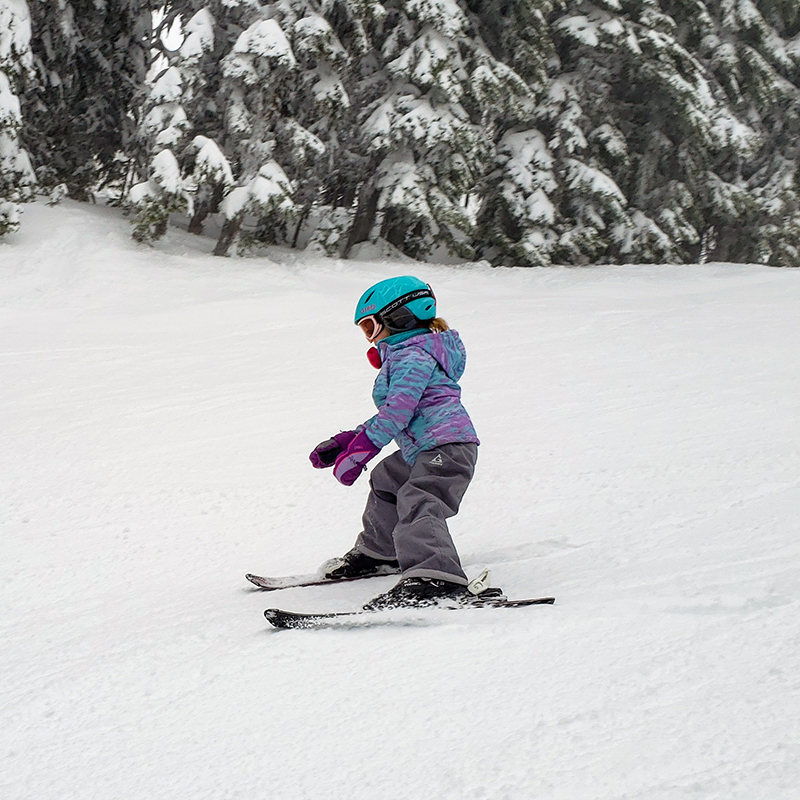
{"x": 353, "y": 461}
{"x": 325, "y": 453}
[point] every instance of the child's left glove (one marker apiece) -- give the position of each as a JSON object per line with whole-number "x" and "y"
{"x": 353, "y": 461}
{"x": 325, "y": 453}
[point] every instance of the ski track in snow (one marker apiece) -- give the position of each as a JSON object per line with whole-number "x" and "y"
{"x": 640, "y": 460}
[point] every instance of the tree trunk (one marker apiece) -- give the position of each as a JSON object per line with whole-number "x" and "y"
{"x": 394, "y": 229}
{"x": 160, "y": 228}
{"x": 228, "y": 234}
{"x": 403, "y": 233}
{"x": 200, "y": 214}
{"x": 364, "y": 218}
{"x": 726, "y": 245}
{"x": 208, "y": 206}
{"x": 303, "y": 217}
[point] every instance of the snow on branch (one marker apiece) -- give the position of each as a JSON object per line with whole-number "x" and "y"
{"x": 199, "y": 39}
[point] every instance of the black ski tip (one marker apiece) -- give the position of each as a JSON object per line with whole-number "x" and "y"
{"x": 279, "y": 618}
{"x": 274, "y": 617}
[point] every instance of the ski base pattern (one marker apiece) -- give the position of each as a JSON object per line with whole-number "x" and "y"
{"x": 314, "y": 579}
{"x": 291, "y": 619}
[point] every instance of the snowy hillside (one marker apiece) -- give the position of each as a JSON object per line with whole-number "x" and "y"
{"x": 640, "y": 461}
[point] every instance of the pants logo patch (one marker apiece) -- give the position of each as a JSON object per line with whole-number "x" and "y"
{"x": 437, "y": 459}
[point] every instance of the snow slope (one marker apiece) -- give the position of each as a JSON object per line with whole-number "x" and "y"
{"x": 640, "y": 461}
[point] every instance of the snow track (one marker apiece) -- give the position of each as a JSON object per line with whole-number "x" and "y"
{"x": 640, "y": 461}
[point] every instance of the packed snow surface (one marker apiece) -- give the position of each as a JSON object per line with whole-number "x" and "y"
{"x": 640, "y": 461}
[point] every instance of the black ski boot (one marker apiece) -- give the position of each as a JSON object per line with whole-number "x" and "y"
{"x": 355, "y": 564}
{"x": 424, "y": 592}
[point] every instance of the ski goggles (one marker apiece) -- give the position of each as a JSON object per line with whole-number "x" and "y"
{"x": 371, "y": 326}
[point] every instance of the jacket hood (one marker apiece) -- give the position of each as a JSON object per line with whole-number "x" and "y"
{"x": 447, "y": 348}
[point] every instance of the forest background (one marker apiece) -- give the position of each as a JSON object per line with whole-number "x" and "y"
{"x": 522, "y": 132}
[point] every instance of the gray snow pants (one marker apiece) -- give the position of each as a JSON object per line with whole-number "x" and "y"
{"x": 407, "y": 508}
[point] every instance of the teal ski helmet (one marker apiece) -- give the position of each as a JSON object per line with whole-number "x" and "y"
{"x": 401, "y": 304}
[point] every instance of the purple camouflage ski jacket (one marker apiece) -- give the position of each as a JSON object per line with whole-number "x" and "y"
{"x": 418, "y": 396}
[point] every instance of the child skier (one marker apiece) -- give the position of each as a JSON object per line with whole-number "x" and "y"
{"x": 412, "y": 491}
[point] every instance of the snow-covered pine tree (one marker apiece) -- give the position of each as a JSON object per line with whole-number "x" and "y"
{"x": 182, "y": 112}
{"x": 258, "y": 85}
{"x": 348, "y": 196}
{"x": 636, "y": 130}
{"x": 315, "y": 120}
{"x": 156, "y": 198}
{"x": 210, "y": 175}
{"x": 666, "y": 123}
{"x": 753, "y": 50}
{"x": 90, "y": 62}
{"x": 517, "y": 214}
{"x": 256, "y": 94}
{"x": 179, "y": 170}
{"x": 162, "y": 127}
{"x": 353, "y": 23}
{"x": 517, "y": 33}
{"x": 427, "y": 122}
{"x": 16, "y": 175}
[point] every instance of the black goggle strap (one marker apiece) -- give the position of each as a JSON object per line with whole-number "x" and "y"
{"x": 401, "y": 319}
{"x": 406, "y": 298}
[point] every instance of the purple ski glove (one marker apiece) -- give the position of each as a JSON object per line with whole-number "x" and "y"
{"x": 325, "y": 453}
{"x": 353, "y": 461}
